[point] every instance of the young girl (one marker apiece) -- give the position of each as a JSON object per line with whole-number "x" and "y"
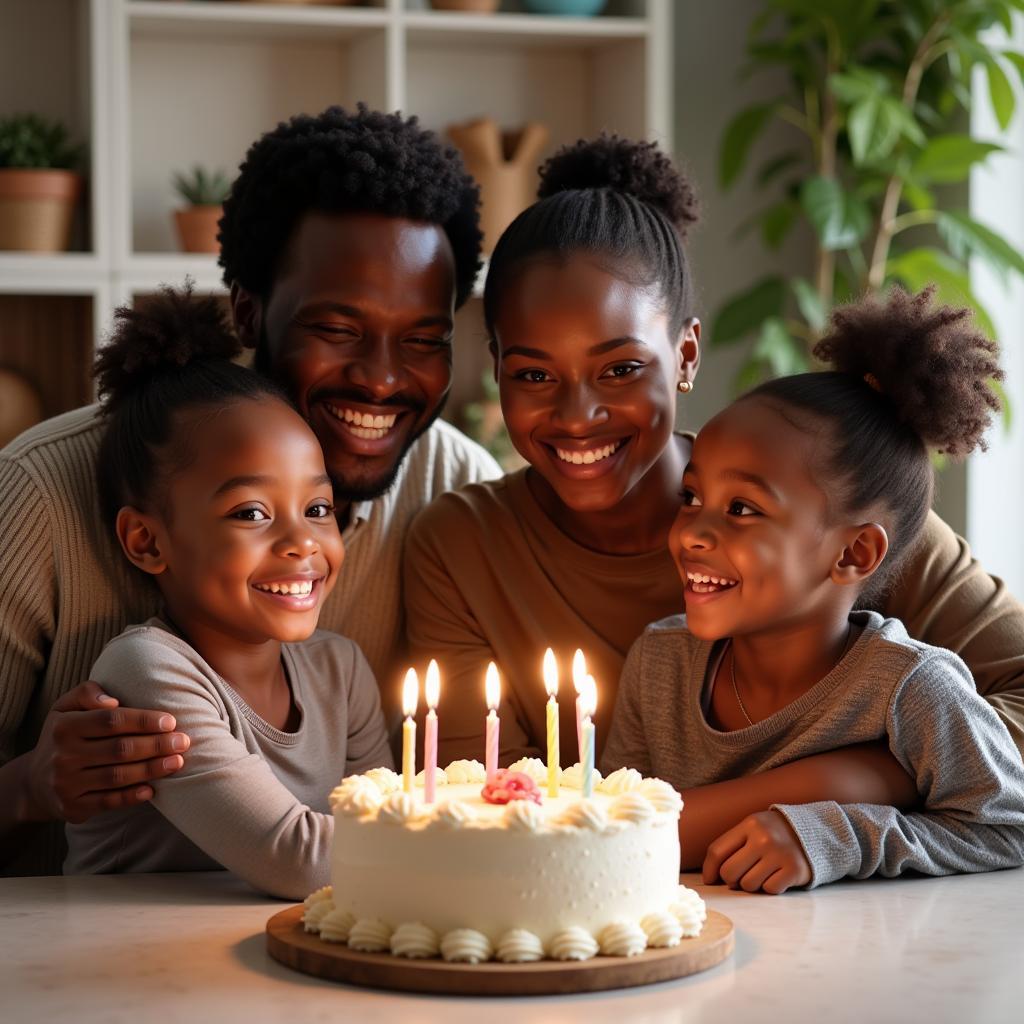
{"x": 799, "y": 500}
{"x": 589, "y": 308}
{"x": 217, "y": 490}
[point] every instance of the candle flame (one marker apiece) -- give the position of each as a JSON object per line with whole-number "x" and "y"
{"x": 410, "y": 693}
{"x": 550, "y": 673}
{"x": 492, "y": 687}
{"x": 588, "y": 697}
{"x": 432, "y": 685}
{"x": 579, "y": 670}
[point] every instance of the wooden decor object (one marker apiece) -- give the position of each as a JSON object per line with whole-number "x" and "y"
{"x": 290, "y": 944}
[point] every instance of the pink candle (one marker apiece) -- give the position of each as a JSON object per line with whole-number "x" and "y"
{"x": 433, "y": 693}
{"x": 492, "y": 687}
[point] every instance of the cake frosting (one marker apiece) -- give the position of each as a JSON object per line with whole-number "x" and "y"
{"x": 517, "y": 877}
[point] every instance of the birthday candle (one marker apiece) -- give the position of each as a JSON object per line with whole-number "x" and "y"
{"x": 589, "y": 706}
{"x": 492, "y": 689}
{"x": 410, "y": 697}
{"x": 551, "y": 685}
{"x": 579, "y": 674}
{"x": 432, "y": 689}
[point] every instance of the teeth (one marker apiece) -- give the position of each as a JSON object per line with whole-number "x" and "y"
{"x": 590, "y": 456}
{"x": 718, "y": 581}
{"x": 363, "y": 424}
{"x": 303, "y": 588}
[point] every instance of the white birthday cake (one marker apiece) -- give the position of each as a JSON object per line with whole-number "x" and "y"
{"x": 504, "y": 871}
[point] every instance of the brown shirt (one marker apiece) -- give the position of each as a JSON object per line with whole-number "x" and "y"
{"x": 488, "y": 575}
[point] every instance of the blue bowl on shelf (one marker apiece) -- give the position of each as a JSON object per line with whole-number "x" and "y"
{"x": 571, "y": 8}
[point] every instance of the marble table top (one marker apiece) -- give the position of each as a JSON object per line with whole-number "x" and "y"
{"x": 138, "y": 948}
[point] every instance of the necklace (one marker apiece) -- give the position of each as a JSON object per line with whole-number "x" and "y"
{"x": 735, "y": 688}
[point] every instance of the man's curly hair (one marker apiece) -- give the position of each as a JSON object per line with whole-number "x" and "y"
{"x": 336, "y": 162}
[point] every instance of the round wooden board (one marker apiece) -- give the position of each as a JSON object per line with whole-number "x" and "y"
{"x": 294, "y": 947}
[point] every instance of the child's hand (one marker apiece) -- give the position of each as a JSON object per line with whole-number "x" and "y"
{"x": 760, "y": 853}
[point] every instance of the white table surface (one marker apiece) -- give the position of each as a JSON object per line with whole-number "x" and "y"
{"x": 139, "y": 948}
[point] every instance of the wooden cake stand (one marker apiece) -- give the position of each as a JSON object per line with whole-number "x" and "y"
{"x": 289, "y": 943}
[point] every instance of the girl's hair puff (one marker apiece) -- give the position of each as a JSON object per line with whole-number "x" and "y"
{"x": 622, "y": 200}
{"x": 910, "y": 377}
{"x": 172, "y": 355}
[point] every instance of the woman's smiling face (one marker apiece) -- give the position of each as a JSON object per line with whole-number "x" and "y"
{"x": 587, "y": 372}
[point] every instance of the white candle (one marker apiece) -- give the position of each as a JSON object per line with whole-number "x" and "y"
{"x": 410, "y": 697}
{"x": 551, "y": 685}
{"x": 492, "y": 689}
{"x": 432, "y": 690}
{"x": 589, "y": 706}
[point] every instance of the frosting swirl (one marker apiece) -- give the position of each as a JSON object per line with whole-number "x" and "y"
{"x": 519, "y": 946}
{"x": 359, "y": 801}
{"x": 622, "y": 780}
{"x": 325, "y": 892}
{"x": 397, "y": 808}
{"x": 315, "y": 913}
{"x": 662, "y": 928}
{"x": 348, "y": 786}
{"x": 664, "y": 798}
{"x": 691, "y": 912}
{"x": 465, "y": 771}
{"x": 532, "y": 766}
{"x": 572, "y": 778}
{"x": 465, "y": 945}
{"x": 370, "y": 934}
{"x": 455, "y": 814}
{"x": 573, "y": 944}
{"x": 386, "y": 780}
{"x": 631, "y": 807}
{"x": 337, "y": 925}
{"x": 588, "y": 814}
{"x": 524, "y": 816}
{"x": 440, "y": 778}
{"x": 622, "y": 938}
{"x": 415, "y": 941}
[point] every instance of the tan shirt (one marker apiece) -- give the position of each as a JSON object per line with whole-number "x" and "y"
{"x": 67, "y": 589}
{"x": 488, "y": 575}
{"x": 250, "y": 797}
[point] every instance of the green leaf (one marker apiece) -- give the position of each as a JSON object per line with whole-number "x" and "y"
{"x": 918, "y": 197}
{"x": 919, "y": 268}
{"x": 774, "y": 167}
{"x": 810, "y": 304}
{"x": 964, "y": 236}
{"x": 746, "y": 312}
{"x": 1017, "y": 60}
{"x": 858, "y": 84}
{"x": 1000, "y": 93}
{"x": 873, "y": 129}
{"x": 779, "y": 350}
{"x": 739, "y": 137}
{"x": 777, "y": 222}
{"x": 949, "y": 158}
{"x": 1004, "y": 401}
{"x": 841, "y": 220}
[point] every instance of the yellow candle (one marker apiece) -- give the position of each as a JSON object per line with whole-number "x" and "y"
{"x": 410, "y": 697}
{"x": 551, "y": 685}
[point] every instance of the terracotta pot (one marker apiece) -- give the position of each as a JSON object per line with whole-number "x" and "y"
{"x": 20, "y": 405}
{"x": 36, "y": 208}
{"x": 471, "y": 6}
{"x": 197, "y": 228}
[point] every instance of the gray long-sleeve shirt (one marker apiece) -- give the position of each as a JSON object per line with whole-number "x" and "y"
{"x": 250, "y": 797}
{"x": 920, "y": 699}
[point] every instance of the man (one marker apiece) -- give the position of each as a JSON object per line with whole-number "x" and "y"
{"x": 347, "y": 243}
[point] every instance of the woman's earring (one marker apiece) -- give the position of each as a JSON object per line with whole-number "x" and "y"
{"x": 685, "y": 387}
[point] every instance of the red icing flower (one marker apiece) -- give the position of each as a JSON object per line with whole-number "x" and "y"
{"x": 508, "y": 786}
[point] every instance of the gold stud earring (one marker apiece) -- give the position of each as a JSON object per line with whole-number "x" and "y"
{"x": 685, "y": 387}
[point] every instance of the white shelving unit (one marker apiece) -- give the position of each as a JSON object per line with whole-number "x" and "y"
{"x": 155, "y": 86}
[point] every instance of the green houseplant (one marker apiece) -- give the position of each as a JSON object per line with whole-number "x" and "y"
{"x": 875, "y": 99}
{"x": 204, "y": 193}
{"x": 39, "y": 183}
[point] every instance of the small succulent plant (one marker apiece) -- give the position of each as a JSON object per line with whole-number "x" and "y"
{"x": 29, "y": 141}
{"x": 201, "y": 187}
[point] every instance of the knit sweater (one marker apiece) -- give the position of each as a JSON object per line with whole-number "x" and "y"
{"x": 921, "y": 700}
{"x": 68, "y": 589}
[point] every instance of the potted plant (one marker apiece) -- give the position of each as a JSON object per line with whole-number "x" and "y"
{"x": 204, "y": 192}
{"x": 39, "y": 185}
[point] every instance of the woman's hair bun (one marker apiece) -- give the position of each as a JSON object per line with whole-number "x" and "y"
{"x": 169, "y": 331}
{"x": 639, "y": 169}
{"x": 929, "y": 361}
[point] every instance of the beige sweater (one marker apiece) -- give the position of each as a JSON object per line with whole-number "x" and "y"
{"x": 67, "y": 588}
{"x": 489, "y": 575}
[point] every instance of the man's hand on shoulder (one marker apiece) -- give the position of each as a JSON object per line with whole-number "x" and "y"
{"x": 94, "y": 755}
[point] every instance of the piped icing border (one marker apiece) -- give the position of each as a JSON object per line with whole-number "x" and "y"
{"x": 684, "y": 919}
